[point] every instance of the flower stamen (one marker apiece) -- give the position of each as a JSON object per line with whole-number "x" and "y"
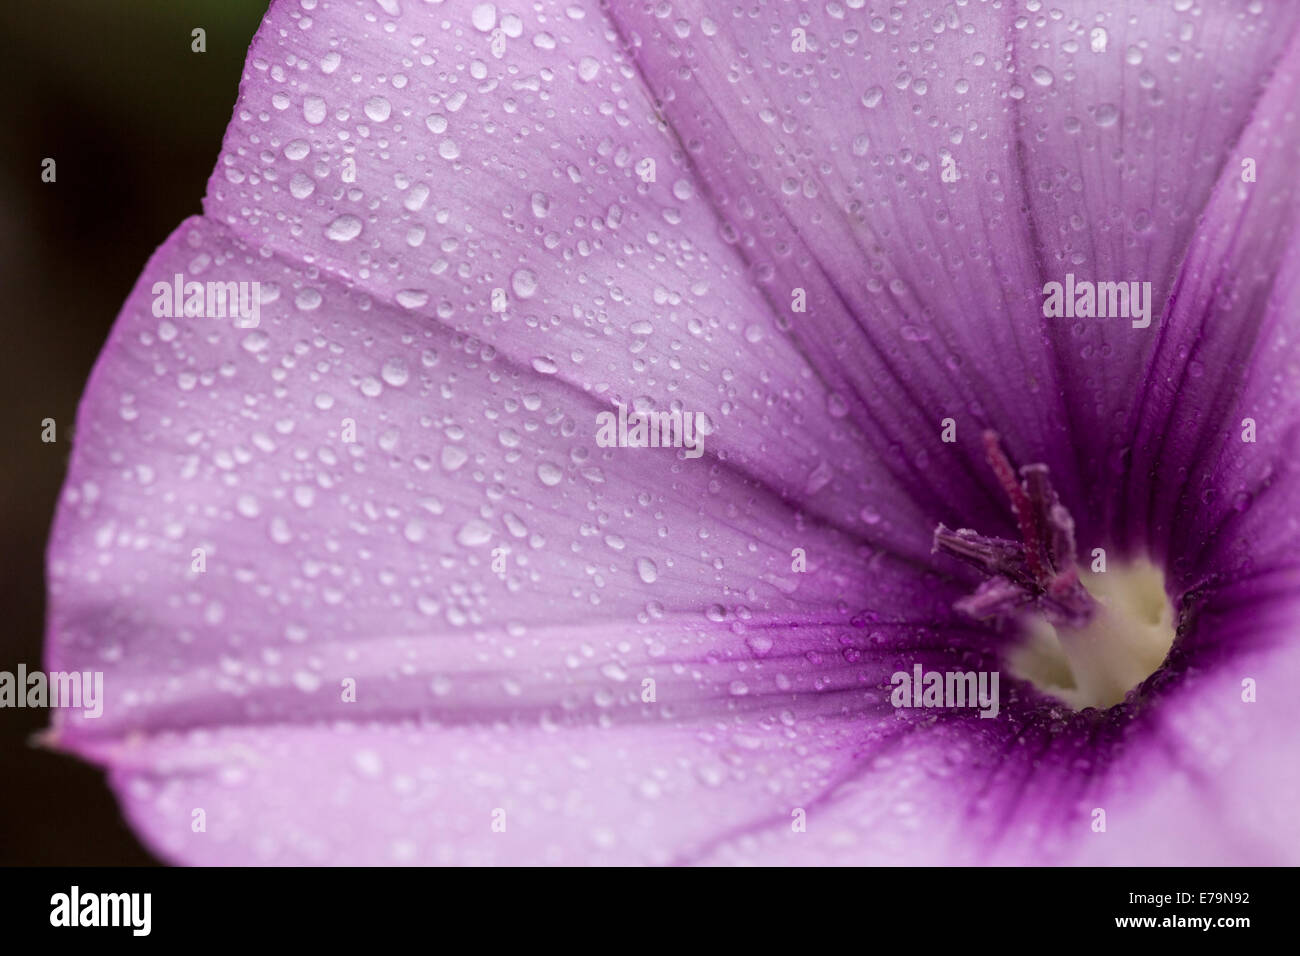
{"x": 1088, "y": 643}
{"x": 1020, "y": 505}
{"x": 1039, "y": 569}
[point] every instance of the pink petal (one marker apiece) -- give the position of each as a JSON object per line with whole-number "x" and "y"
{"x": 327, "y": 561}
{"x": 827, "y": 166}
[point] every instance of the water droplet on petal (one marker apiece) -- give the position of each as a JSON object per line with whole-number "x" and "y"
{"x": 395, "y": 372}
{"x": 411, "y": 298}
{"x": 377, "y": 108}
{"x": 647, "y": 570}
{"x": 313, "y": 110}
{"x": 301, "y": 185}
{"x": 484, "y": 17}
{"x": 453, "y": 457}
{"x": 524, "y": 282}
{"x": 345, "y": 228}
{"x": 308, "y": 299}
{"x": 474, "y": 533}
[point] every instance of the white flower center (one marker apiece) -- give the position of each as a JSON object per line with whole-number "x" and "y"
{"x": 1124, "y": 642}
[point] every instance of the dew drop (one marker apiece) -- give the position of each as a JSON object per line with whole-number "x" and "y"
{"x": 484, "y": 17}
{"x": 395, "y": 372}
{"x": 308, "y": 299}
{"x": 313, "y": 110}
{"x": 378, "y": 109}
{"x": 524, "y": 282}
{"x": 647, "y": 570}
{"x": 453, "y": 456}
{"x": 474, "y": 533}
{"x": 411, "y": 298}
{"x": 301, "y": 185}
{"x": 345, "y": 228}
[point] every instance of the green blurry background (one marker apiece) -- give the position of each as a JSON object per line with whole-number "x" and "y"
{"x": 112, "y": 92}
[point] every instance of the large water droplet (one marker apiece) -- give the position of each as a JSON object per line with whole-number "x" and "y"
{"x": 313, "y": 110}
{"x": 524, "y": 282}
{"x": 474, "y": 533}
{"x": 484, "y": 17}
{"x": 647, "y": 570}
{"x": 301, "y": 185}
{"x": 345, "y": 228}
{"x": 395, "y": 372}
{"x": 377, "y": 108}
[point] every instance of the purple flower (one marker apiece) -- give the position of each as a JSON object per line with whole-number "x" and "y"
{"x": 367, "y": 589}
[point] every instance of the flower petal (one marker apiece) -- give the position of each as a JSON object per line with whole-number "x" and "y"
{"x": 926, "y": 295}
{"x": 499, "y": 161}
{"x": 1213, "y": 481}
{"x": 375, "y": 794}
{"x": 231, "y": 562}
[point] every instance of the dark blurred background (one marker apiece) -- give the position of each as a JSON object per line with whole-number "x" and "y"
{"x": 111, "y": 90}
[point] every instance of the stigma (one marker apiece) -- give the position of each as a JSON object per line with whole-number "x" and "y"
{"x": 1088, "y": 638}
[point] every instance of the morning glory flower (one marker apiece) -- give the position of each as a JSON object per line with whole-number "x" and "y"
{"x": 984, "y": 320}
